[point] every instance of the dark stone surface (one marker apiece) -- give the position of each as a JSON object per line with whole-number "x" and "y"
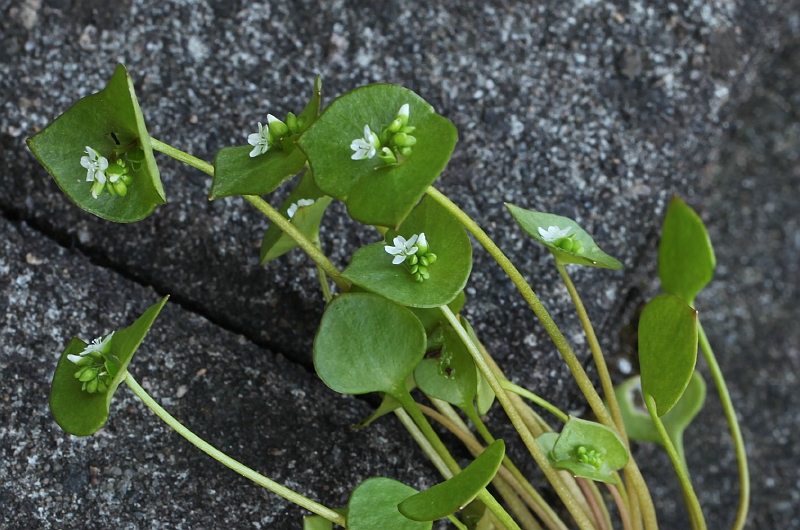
{"x": 593, "y": 110}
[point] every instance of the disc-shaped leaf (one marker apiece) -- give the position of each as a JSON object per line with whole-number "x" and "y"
{"x": 531, "y": 221}
{"x": 372, "y": 268}
{"x": 366, "y": 343}
{"x": 638, "y": 423}
{"x": 449, "y": 496}
{"x": 685, "y": 257}
{"x": 579, "y": 440}
{"x": 667, "y": 349}
{"x": 77, "y": 411}
{"x": 373, "y": 504}
{"x": 111, "y": 123}
{"x": 485, "y": 396}
{"x": 376, "y": 194}
{"x": 307, "y": 219}
{"x": 433, "y": 316}
{"x": 237, "y": 173}
{"x": 452, "y": 377}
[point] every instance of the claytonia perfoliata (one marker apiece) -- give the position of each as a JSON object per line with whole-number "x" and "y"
{"x": 553, "y": 233}
{"x": 402, "y": 248}
{"x": 295, "y": 205}
{"x": 96, "y": 166}
{"x": 590, "y": 457}
{"x": 97, "y": 366}
{"x": 365, "y": 147}
{"x": 260, "y": 141}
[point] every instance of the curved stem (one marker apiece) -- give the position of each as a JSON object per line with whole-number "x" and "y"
{"x": 692, "y": 504}
{"x": 549, "y": 407}
{"x": 182, "y": 156}
{"x": 423, "y": 442}
{"x": 623, "y": 509}
{"x": 323, "y": 278}
{"x": 584, "y": 383}
{"x": 458, "y": 524}
{"x": 733, "y": 425}
{"x": 219, "y": 456}
{"x": 598, "y": 515}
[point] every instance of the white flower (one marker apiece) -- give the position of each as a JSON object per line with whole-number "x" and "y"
{"x": 295, "y": 205}
{"x": 260, "y": 141}
{"x": 365, "y": 147}
{"x": 553, "y": 233}
{"x": 403, "y": 111}
{"x": 99, "y": 344}
{"x": 95, "y": 166}
{"x": 402, "y": 248}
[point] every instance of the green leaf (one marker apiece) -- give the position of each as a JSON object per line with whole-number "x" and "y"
{"x": 376, "y": 194}
{"x": 81, "y": 413}
{"x": 452, "y": 377}
{"x": 685, "y": 257}
{"x": 372, "y": 268}
{"x": 307, "y": 219}
{"x": 315, "y": 522}
{"x": 638, "y": 423}
{"x": 433, "y": 316}
{"x": 373, "y": 504}
{"x": 366, "y": 343}
{"x": 485, "y": 396}
{"x": 667, "y": 349}
{"x": 449, "y": 496}
{"x": 531, "y": 221}
{"x": 237, "y": 173}
{"x": 580, "y": 435}
{"x": 96, "y": 121}
{"x": 388, "y": 404}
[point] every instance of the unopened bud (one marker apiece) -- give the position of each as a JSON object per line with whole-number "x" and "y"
{"x": 277, "y": 128}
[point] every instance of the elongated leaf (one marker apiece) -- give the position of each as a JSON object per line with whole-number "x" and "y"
{"x": 531, "y": 221}
{"x": 587, "y": 449}
{"x": 685, "y": 257}
{"x": 372, "y": 268}
{"x": 307, "y": 219}
{"x": 366, "y": 343}
{"x": 376, "y": 194}
{"x": 237, "y": 173}
{"x": 111, "y": 123}
{"x": 79, "y": 412}
{"x": 449, "y": 496}
{"x": 667, "y": 349}
{"x": 373, "y": 505}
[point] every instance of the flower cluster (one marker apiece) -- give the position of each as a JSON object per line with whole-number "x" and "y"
{"x": 414, "y": 252}
{"x": 299, "y": 204}
{"x": 394, "y": 141}
{"x": 97, "y": 366}
{"x": 561, "y": 238}
{"x": 275, "y": 131}
{"x": 113, "y": 177}
{"x": 590, "y": 457}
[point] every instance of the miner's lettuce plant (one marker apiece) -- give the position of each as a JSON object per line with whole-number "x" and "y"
{"x": 392, "y": 325}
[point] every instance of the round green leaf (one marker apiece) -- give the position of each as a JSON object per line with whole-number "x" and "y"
{"x": 366, "y": 343}
{"x": 307, "y": 219}
{"x": 373, "y": 504}
{"x": 109, "y": 122}
{"x": 531, "y": 221}
{"x": 685, "y": 257}
{"x": 237, "y": 173}
{"x": 667, "y": 349}
{"x": 376, "y": 194}
{"x": 79, "y": 412}
{"x": 578, "y": 435}
{"x": 372, "y": 268}
{"x": 449, "y": 496}
{"x": 452, "y": 377}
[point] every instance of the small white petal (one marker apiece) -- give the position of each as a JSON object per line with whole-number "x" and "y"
{"x": 74, "y": 358}
{"x": 403, "y": 110}
{"x": 292, "y": 210}
{"x": 422, "y": 241}
{"x": 398, "y": 260}
{"x": 412, "y": 240}
{"x": 255, "y": 152}
{"x": 392, "y": 250}
{"x": 85, "y": 162}
{"x": 254, "y": 139}
{"x": 102, "y": 163}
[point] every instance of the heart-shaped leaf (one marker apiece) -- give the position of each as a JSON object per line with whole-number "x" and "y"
{"x": 372, "y": 267}
{"x": 366, "y": 343}
{"x": 237, "y": 173}
{"x": 667, "y": 349}
{"x": 110, "y": 122}
{"x": 452, "y": 377}
{"x": 556, "y": 230}
{"x": 374, "y": 193}
{"x": 685, "y": 257}
{"x": 373, "y": 504}
{"x": 306, "y": 217}
{"x": 79, "y": 412}
{"x": 587, "y": 449}
{"x": 638, "y": 423}
{"x": 449, "y": 496}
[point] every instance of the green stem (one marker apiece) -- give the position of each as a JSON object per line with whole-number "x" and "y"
{"x": 323, "y": 278}
{"x": 733, "y": 425}
{"x": 423, "y": 442}
{"x": 458, "y": 524}
{"x": 549, "y": 407}
{"x": 182, "y": 156}
{"x": 584, "y": 383}
{"x": 692, "y": 504}
{"x": 597, "y": 353}
{"x": 593, "y": 504}
{"x": 513, "y": 415}
{"x": 621, "y": 507}
{"x": 240, "y": 468}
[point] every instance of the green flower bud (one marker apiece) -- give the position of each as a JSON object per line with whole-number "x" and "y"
{"x": 431, "y": 257}
{"x": 387, "y": 156}
{"x": 406, "y": 151}
{"x": 127, "y": 179}
{"x": 396, "y": 125}
{"x": 424, "y": 261}
{"x": 91, "y": 386}
{"x": 277, "y": 128}
{"x": 87, "y": 373}
{"x": 102, "y": 386}
{"x": 97, "y": 188}
{"x": 117, "y": 169}
{"x": 414, "y": 269}
{"x": 291, "y": 122}
{"x": 403, "y": 140}
{"x": 408, "y": 130}
{"x": 413, "y": 259}
{"x": 120, "y": 187}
